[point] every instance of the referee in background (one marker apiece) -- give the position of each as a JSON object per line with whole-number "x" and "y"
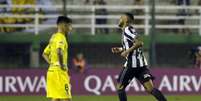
{"x": 136, "y": 64}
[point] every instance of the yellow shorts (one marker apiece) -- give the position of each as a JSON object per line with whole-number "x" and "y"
{"x": 58, "y": 84}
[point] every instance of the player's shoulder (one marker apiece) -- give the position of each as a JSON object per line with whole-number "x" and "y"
{"x": 58, "y": 36}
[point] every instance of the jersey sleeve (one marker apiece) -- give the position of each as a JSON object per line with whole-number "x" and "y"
{"x": 130, "y": 33}
{"x": 47, "y": 50}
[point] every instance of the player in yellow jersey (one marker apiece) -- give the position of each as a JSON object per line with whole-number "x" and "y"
{"x": 55, "y": 53}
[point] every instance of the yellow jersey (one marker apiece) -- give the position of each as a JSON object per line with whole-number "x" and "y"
{"x": 58, "y": 40}
{"x": 58, "y": 80}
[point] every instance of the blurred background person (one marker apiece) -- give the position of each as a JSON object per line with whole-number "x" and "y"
{"x": 138, "y": 12}
{"x": 198, "y": 57}
{"x": 79, "y": 63}
{"x": 2, "y": 10}
{"x": 87, "y": 2}
{"x": 183, "y": 12}
{"x": 101, "y": 21}
{"x": 198, "y": 11}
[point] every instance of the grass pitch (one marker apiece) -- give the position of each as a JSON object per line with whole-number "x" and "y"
{"x": 101, "y": 98}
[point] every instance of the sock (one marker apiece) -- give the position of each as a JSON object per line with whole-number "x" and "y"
{"x": 122, "y": 95}
{"x": 158, "y": 95}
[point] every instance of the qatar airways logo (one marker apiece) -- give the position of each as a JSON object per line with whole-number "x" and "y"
{"x": 175, "y": 83}
{"x": 15, "y": 84}
{"x": 100, "y": 84}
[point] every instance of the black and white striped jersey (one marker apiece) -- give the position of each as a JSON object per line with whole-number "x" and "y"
{"x": 135, "y": 58}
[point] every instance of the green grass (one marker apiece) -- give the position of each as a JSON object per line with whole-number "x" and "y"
{"x": 101, "y": 98}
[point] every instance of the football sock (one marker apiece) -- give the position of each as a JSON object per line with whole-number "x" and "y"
{"x": 122, "y": 95}
{"x": 158, "y": 95}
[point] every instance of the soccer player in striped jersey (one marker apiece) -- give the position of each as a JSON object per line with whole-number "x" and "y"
{"x": 136, "y": 64}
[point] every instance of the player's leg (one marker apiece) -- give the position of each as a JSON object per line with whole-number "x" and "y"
{"x": 55, "y": 99}
{"x": 122, "y": 82}
{"x": 61, "y": 100}
{"x": 148, "y": 85}
{"x": 146, "y": 78}
{"x": 59, "y": 87}
{"x": 67, "y": 99}
{"x": 154, "y": 91}
{"x": 51, "y": 85}
{"x": 66, "y": 82}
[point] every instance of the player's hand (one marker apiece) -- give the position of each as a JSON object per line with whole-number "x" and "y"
{"x": 124, "y": 54}
{"x": 63, "y": 68}
{"x": 117, "y": 49}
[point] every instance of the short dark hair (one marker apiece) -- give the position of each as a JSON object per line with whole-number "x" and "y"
{"x": 63, "y": 19}
{"x": 130, "y": 16}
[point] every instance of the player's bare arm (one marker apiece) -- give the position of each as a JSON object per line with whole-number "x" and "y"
{"x": 137, "y": 43}
{"x": 117, "y": 50}
{"x": 46, "y": 57}
{"x": 60, "y": 56}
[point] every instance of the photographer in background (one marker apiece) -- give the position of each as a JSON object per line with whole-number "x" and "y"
{"x": 196, "y": 55}
{"x": 79, "y": 63}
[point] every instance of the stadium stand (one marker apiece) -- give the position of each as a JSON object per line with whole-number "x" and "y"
{"x": 166, "y": 17}
{"x": 16, "y": 11}
{"x": 41, "y": 16}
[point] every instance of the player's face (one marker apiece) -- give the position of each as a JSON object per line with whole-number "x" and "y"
{"x": 67, "y": 27}
{"x": 122, "y": 21}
